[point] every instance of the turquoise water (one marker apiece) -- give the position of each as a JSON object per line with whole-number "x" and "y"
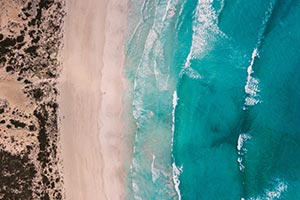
{"x": 215, "y": 94}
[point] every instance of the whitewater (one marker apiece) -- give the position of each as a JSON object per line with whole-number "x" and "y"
{"x": 214, "y": 95}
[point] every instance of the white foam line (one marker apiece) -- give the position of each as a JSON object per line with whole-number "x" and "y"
{"x": 176, "y": 171}
{"x": 242, "y": 139}
{"x": 241, "y": 151}
{"x": 250, "y": 71}
{"x": 188, "y": 59}
{"x": 176, "y": 174}
{"x": 154, "y": 171}
{"x": 175, "y": 101}
{"x": 167, "y": 10}
{"x": 251, "y": 88}
{"x": 187, "y": 68}
{"x": 178, "y": 25}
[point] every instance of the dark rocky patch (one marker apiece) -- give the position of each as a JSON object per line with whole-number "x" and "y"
{"x": 31, "y": 50}
{"x": 9, "y": 69}
{"x": 32, "y": 128}
{"x": 16, "y": 174}
{"x": 27, "y": 81}
{"x": 17, "y": 124}
{"x": 38, "y": 94}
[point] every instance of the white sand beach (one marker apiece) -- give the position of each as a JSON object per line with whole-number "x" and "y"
{"x": 93, "y": 139}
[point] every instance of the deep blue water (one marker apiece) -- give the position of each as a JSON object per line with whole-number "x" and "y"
{"x": 215, "y": 99}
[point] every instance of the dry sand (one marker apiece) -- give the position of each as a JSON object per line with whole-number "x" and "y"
{"x": 93, "y": 142}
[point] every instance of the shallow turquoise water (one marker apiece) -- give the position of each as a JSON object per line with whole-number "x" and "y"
{"x": 215, "y": 99}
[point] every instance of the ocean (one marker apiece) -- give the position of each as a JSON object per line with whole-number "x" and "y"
{"x": 215, "y": 96}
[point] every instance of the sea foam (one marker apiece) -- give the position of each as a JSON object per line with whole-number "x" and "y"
{"x": 205, "y": 30}
{"x": 154, "y": 171}
{"x": 279, "y": 187}
{"x": 241, "y": 150}
{"x": 150, "y": 80}
{"x": 175, "y": 101}
{"x": 251, "y": 87}
{"x": 176, "y": 171}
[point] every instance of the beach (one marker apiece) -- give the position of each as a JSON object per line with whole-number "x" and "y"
{"x": 93, "y": 139}
{"x": 113, "y": 100}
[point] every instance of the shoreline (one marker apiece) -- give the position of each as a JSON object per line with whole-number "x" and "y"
{"x": 114, "y": 133}
{"x": 94, "y": 148}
